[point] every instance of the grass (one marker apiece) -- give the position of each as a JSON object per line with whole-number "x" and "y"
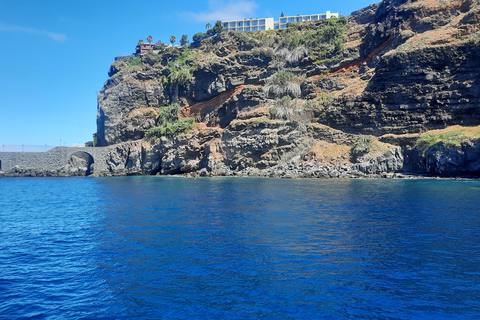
{"x": 449, "y": 139}
{"x": 450, "y": 136}
{"x": 135, "y": 62}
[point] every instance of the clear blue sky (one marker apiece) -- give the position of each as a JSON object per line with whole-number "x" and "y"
{"x": 55, "y": 54}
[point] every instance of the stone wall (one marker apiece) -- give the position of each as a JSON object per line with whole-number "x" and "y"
{"x": 53, "y": 159}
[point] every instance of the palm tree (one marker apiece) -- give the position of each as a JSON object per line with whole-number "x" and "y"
{"x": 173, "y": 40}
{"x": 140, "y": 42}
{"x": 208, "y": 26}
{"x": 150, "y": 39}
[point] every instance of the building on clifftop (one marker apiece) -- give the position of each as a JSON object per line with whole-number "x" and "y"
{"x": 144, "y": 47}
{"x": 269, "y": 23}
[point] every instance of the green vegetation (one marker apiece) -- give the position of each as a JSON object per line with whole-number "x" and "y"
{"x": 135, "y": 62}
{"x": 199, "y": 36}
{"x": 179, "y": 74}
{"x": 149, "y": 39}
{"x": 283, "y": 83}
{"x": 257, "y": 52}
{"x": 449, "y": 139}
{"x": 181, "y": 69}
{"x": 323, "y": 43}
{"x": 173, "y": 40}
{"x": 184, "y": 40}
{"x": 169, "y": 123}
{"x": 282, "y": 108}
{"x": 363, "y": 145}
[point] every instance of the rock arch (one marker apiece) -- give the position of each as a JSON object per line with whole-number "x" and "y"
{"x": 83, "y": 162}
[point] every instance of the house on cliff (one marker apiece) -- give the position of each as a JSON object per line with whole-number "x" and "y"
{"x": 144, "y": 47}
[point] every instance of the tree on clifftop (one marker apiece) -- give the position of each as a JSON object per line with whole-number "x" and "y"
{"x": 140, "y": 42}
{"x": 184, "y": 40}
{"x": 173, "y": 40}
{"x": 218, "y": 28}
{"x": 208, "y": 25}
{"x": 149, "y": 39}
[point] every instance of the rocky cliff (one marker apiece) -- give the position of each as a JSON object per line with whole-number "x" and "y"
{"x": 344, "y": 97}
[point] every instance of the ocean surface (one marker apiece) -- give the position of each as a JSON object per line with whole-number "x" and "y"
{"x": 238, "y": 248}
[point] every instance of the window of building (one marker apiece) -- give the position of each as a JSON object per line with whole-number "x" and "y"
{"x": 299, "y": 19}
{"x": 283, "y": 20}
{"x": 262, "y": 28}
{"x": 246, "y": 29}
{"x": 240, "y": 24}
{"x": 232, "y": 24}
{"x": 254, "y": 28}
{"x": 239, "y": 29}
{"x": 314, "y": 17}
{"x": 225, "y": 25}
{"x": 291, "y": 19}
{"x": 247, "y": 23}
{"x": 255, "y": 23}
{"x": 262, "y": 21}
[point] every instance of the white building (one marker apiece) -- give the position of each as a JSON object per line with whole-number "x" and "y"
{"x": 270, "y": 24}
{"x": 284, "y": 21}
{"x": 249, "y": 24}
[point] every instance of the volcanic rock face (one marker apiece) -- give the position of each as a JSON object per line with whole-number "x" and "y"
{"x": 299, "y": 102}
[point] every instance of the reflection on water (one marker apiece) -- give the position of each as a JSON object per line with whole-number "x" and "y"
{"x": 226, "y": 248}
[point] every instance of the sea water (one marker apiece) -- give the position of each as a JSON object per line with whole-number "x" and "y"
{"x": 238, "y": 248}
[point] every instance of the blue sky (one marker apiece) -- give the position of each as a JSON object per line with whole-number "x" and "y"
{"x": 54, "y": 55}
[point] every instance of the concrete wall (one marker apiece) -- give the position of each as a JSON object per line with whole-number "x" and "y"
{"x": 53, "y": 159}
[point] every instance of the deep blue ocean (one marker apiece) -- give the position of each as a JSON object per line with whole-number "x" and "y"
{"x": 239, "y": 248}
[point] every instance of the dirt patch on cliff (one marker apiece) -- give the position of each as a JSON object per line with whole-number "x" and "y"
{"x": 327, "y": 153}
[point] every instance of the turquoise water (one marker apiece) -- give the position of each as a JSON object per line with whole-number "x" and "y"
{"x": 230, "y": 248}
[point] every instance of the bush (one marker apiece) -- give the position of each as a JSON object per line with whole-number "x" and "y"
{"x": 135, "y": 62}
{"x": 169, "y": 123}
{"x": 289, "y": 109}
{"x": 363, "y": 145}
{"x": 326, "y": 42}
{"x": 283, "y": 83}
{"x": 292, "y": 56}
{"x": 179, "y": 75}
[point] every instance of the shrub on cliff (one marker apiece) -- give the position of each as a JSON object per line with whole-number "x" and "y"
{"x": 169, "y": 123}
{"x": 325, "y": 42}
{"x": 135, "y": 62}
{"x": 362, "y": 146}
{"x": 283, "y": 83}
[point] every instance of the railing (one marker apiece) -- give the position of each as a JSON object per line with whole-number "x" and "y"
{"x": 24, "y": 148}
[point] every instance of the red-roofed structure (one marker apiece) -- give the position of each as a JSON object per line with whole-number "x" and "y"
{"x": 144, "y": 47}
